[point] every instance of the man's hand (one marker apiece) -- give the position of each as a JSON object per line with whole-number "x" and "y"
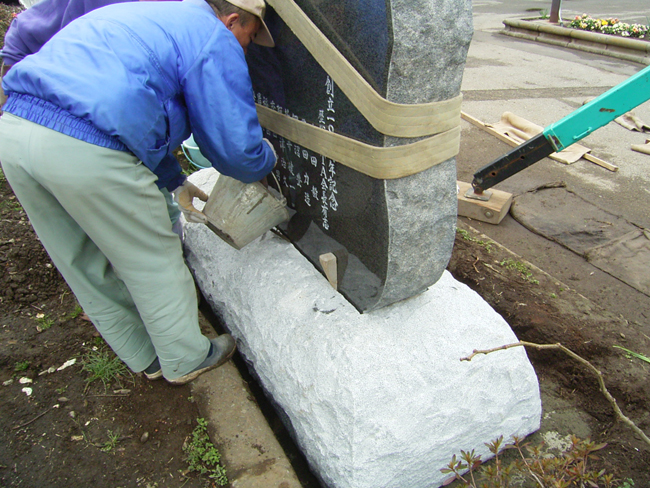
{"x": 184, "y": 195}
{"x": 272, "y": 149}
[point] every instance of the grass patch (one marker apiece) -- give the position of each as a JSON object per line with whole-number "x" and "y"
{"x": 21, "y": 366}
{"x": 103, "y": 365}
{"x": 521, "y": 268}
{"x": 467, "y": 237}
{"x": 202, "y": 456}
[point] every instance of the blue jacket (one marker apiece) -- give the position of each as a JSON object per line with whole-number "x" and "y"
{"x": 140, "y": 77}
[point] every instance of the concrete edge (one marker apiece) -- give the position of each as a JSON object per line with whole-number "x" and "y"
{"x": 250, "y": 450}
{"x": 632, "y": 50}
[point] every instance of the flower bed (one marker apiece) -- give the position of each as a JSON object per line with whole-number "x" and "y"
{"x": 610, "y": 26}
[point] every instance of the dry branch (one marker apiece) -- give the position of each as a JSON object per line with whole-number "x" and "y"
{"x": 580, "y": 359}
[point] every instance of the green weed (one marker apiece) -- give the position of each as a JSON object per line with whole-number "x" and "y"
{"x": 44, "y": 322}
{"x": 103, "y": 365}
{"x": 12, "y": 205}
{"x": 202, "y": 456}
{"x": 467, "y": 237}
{"x": 521, "y": 268}
{"x": 22, "y": 366}
{"x": 110, "y": 444}
{"x": 75, "y": 313}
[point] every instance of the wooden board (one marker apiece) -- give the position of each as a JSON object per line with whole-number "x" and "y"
{"x": 481, "y": 125}
{"x": 492, "y": 211}
{"x": 328, "y": 262}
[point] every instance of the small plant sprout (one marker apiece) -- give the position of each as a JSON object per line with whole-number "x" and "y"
{"x": 632, "y": 354}
{"x": 467, "y": 237}
{"x": 522, "y": 268}
{"x": 21, "y": 366}
{"x": 44, "y": 322}
{"x": 112, "y": 441}
{"x": 202, "y": 456}
{"x": 75, "y": 313}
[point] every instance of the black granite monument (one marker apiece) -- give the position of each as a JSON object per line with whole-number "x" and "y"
{"x": 392, "y": 237}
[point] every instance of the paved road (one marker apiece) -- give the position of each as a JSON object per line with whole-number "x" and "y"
{"x": 543, "y": 83}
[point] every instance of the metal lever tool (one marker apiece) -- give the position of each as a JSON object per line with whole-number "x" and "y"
{"x": 561, "y": 134}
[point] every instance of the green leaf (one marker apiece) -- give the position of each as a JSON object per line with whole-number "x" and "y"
{"x": 635, "y": 354}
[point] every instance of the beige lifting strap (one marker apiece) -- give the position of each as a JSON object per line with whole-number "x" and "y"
{"x": 389, "y": 118}
{"x": 383, "y": 163}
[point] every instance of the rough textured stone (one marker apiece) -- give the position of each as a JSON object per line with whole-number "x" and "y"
{"x": 374, "y": 400}
{"x": 398, "y": 233}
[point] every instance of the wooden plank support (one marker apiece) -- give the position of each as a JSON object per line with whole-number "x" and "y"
{"x": 481, "y": 125}
{"x": 328, "y": 262}
{"x": 491, "y": 211}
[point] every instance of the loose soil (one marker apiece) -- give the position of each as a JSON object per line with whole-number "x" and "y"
{"x": 60, "y": 434}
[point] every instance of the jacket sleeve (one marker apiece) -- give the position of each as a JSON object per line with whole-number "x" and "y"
{"x": 36, "y": 25}
{"x": 33, "y": 28}
{"x": 219, "y": 98}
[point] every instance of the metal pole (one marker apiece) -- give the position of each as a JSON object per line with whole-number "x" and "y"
{"x": 556, "y": 5}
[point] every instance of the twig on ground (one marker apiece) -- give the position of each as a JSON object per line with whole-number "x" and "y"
{"x": 16, "y": 427}
{"x": 474, "y": 264}
{"x": 488, "y": 265}
{"x": 572, "y": 354}
{"x": 120, "y": 395}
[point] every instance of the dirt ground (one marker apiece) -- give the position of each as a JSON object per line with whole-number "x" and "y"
{"x": 69, "y": 432}
{"x": 543, "y": 310}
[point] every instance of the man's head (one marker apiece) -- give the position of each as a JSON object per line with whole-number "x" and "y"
{"x": 245, "y": 19}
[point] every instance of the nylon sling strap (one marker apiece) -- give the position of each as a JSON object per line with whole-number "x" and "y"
{"x": 389, "y": 118}
{"x": 383, "y": 163}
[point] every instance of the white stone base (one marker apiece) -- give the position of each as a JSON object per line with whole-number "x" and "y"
{"x": 375, "y": 400}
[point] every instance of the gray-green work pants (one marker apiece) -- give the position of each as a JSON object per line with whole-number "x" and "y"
{"x": 105, "y": 224}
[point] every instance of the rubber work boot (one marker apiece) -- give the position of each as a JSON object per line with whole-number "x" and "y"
{"x": 221, "y": 350}
{"x": 154, "y": 371}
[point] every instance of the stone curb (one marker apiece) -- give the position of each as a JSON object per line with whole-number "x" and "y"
{"x": 627, "y": 49}
{"x": 249, "y": 448}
